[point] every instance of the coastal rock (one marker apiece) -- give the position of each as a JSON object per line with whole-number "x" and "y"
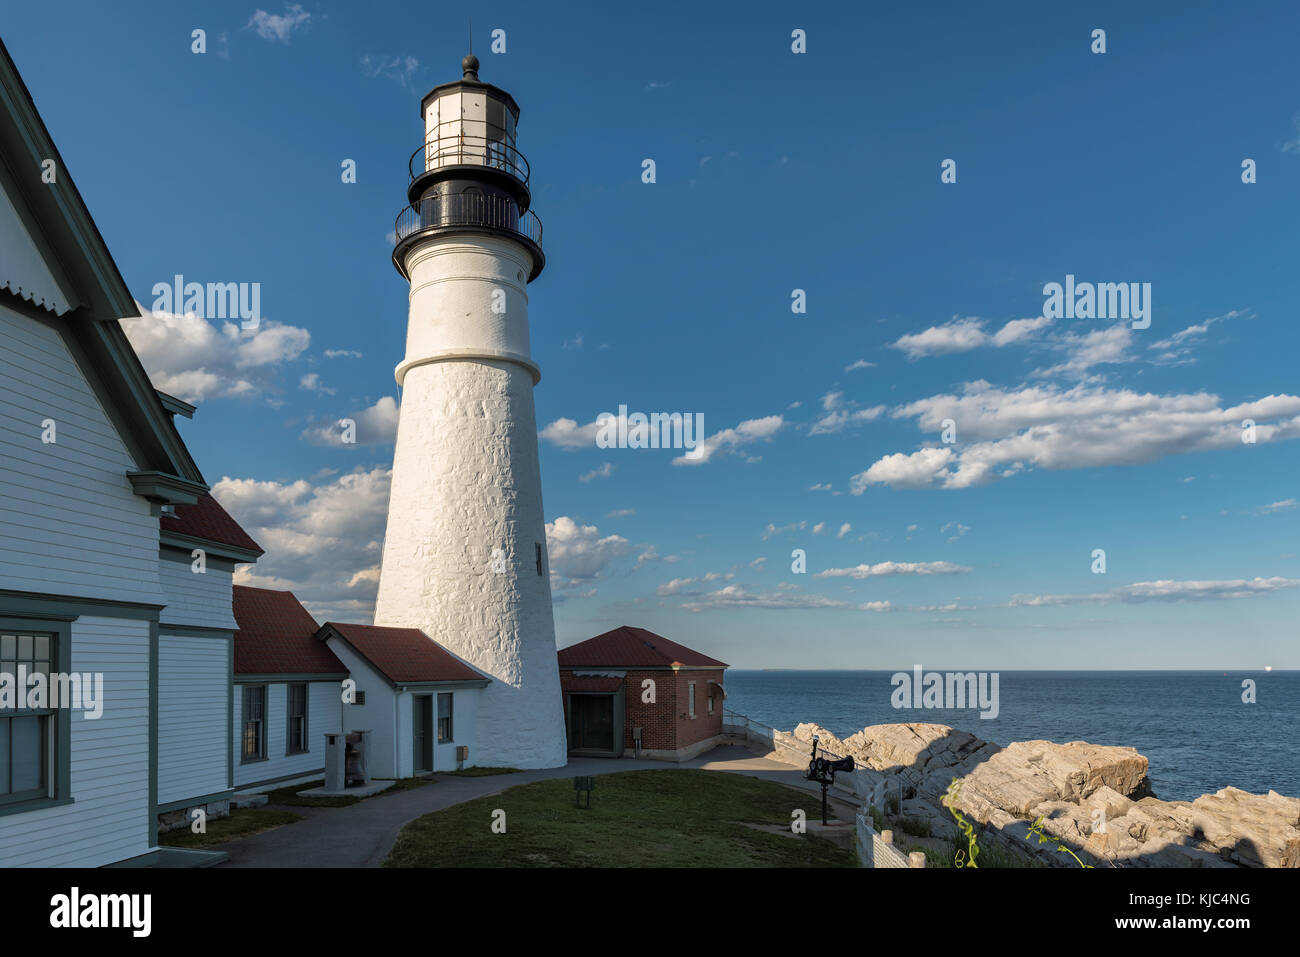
{"x": 1094, "y": 799}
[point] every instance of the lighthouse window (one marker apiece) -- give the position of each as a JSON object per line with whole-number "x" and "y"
{"x": 538, "y": 546}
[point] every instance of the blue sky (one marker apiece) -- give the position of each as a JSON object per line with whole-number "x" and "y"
{"x": 775, "y": 171}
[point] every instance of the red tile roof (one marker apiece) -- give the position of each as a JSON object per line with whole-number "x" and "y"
{"x": 628, "y": 647}
{"x": 590, "y": 683}
{"x": 278, "y": 636}
{"x": 206, "y": 519}
{"x": 404, "y": 655}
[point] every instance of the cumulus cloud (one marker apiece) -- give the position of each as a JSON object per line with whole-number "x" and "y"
{"x": 579, "y": 553}
{"x": 376, "y": 425}
{"x": 603, "y": 471}
{"x": 1165, "y": 590}
{"x": 323, "y": 541}
{"x": 195, "y": 359}
{"x": 1109, "y": 346}
{"x": 1081, "y": 427}
{"x": 682, "y": 586}
{"x": 894, "y": 568}
{"x": 963, "y": 334}
{"x": 844, "y": 530}
{"x": 279, "y": 26}
{"x": 311, "y": 383}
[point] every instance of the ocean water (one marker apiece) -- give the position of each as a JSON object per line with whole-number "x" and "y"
{"x": 1191, "y": 725}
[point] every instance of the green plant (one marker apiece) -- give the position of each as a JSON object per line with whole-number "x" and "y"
{"x": 916, "y": 826}
{"x": 963, "y": 858}
{"x": 1036, "y": 829}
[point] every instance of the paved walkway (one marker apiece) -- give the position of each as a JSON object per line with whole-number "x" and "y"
{"x": 362, "y": 835}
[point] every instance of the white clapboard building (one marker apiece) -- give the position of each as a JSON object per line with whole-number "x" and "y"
{"x": 121, "y": 607}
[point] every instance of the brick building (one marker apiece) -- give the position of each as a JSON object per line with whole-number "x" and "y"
{"x": 631, "y": 692}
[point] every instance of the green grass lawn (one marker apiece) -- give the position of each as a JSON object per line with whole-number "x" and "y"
{"x": 670, "y": 818}
{"x": 242, "y": 822}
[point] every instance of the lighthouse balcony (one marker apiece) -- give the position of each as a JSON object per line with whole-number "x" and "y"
{"x": 472, "y": 212}
{"x": 459, "y": 155}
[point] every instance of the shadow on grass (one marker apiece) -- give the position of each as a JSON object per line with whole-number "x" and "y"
{"x": 242, "y": 822}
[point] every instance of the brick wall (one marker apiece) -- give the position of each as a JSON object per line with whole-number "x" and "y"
{"x": 658, "y": 721}
{"x": 703, "y": 725}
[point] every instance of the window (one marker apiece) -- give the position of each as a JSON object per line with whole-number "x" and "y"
{"x": 692, "y": 698}
{"x": 444, "y": 718}
{"x": 297, "y": 733}
{"x": 710, "y": 700}
{"x": 359, "y": 699}
{"x": 538, "y": 546}
{"x": 26, "y": 732}
{"x": 254, "y": 748}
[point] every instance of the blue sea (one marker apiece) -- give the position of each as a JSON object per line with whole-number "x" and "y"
{"x": 1191, "y": 725}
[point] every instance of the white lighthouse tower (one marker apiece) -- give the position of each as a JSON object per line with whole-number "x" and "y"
{"x": 465, "y": 553}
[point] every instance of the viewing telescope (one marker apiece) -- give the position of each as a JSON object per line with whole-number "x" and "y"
{"x": 822, "y": 770}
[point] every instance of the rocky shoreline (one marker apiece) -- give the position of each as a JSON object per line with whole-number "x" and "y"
{"x": 1095, "y": 799}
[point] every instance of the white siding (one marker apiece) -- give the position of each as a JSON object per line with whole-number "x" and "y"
{"x": 69, "y": 522}
{"x": 464, "y": 722}
{"x": 193, "y": 692}
{"x": 109, "y": 820}
{"x": 378, "y": 715}
{"x": 197, "y": 599}
{"x": 323, "y": 706}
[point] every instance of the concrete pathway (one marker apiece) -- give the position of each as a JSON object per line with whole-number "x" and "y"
{"x": 362, "y": 835}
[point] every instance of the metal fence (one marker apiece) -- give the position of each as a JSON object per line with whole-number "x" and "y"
{"x": 491, "y": 211}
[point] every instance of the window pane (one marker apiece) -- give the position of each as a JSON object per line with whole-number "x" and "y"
{"x": 24, "y": 646}
{"x": 42, "y": 646}
{"x": 28, "y": 757}
{"x": 8, "y": 646}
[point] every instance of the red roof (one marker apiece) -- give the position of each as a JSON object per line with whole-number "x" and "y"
{"x": 206, "y": 519}
{"x": 277, "y": 636}
{"x": 404, "y": 655}
{"x": 590, "y": 683}
{"x": 628, "y": 647}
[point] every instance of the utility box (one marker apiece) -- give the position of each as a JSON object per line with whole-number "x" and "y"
{"x": 462, "y": 755}
{"x": 335, "y": 761}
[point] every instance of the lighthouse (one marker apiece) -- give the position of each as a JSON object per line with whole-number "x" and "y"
{"x": 465, "y": 552}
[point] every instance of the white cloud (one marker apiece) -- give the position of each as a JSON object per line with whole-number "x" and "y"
{"x": 376, "y": 425}
{"x": 1108, "y": 346}
{"x": 783, "y": 529}
{"x": 279, "y": 26}
{"x": 844, "y": 530}
{"x": 681, "y": 586}
{"x": 194, "y": 359}
{"x": 579, "y": 552}
{"x": 894, "y": 568}
{"x": 964, "y": 334}
{"x": 736, "y": 596}
{"x": 820, "y": 487}
{"x": 1082, "y": 427}
{"x": 957, "y": 528}
{"x": 840, "y": 414}
{"x": 323, "y": 541}
{"x": 1165, "y": 590}
{"x": 604, "y": 471}
{"x": 311, "y": 383}
{"x": 819, "y": 528}
{"x": 342, "y": 354}
{"x": 859, "y": 364}
{"x": 620, "y": 513}
{"x": 731, "y": 440}
{"x": 1285, "y": 505}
